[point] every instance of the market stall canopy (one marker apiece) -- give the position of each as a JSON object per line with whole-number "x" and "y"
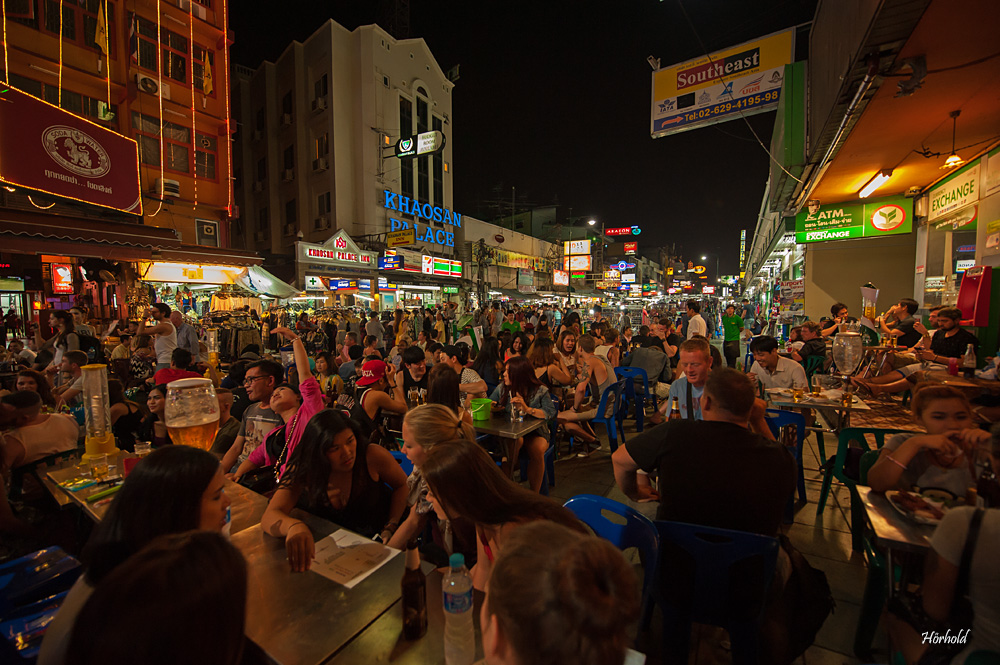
{"x": 258, "y": 280}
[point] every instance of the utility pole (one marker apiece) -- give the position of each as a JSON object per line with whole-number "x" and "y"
{"x": 482, "y": 261}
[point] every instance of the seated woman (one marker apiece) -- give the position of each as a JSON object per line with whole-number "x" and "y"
{"x": 443, "y": 388}
{"x": 172, "y": 490}
{"x": 941, "y": 575}
{"x": 29, "y": 379}
{"x": 379, "y": 392}
{"x": 518, "y": 346}
{"x": 424, "y": 427}
{"x": 939, "y": 458}
{"x": 487, "y": 364}
{"x": 296, "y": 406}
{"x": 337, "y": 475}
{"x": 548, "y": 369}
{"x": 126, "y": 416}
{"x": 154, "y": 427}
{"x": 330, "y": 383}
{"x": 521, "y": 389}
{"x": 370, "y": 350}
{"x": 571, "y": 601}
{"x": 463, "y": 481}
{"x": 193, "y": 584}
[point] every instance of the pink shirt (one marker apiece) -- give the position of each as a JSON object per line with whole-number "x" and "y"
{"x": 312, "y": 403}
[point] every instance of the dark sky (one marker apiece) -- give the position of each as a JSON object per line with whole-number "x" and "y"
{"x": 554, "y": 100}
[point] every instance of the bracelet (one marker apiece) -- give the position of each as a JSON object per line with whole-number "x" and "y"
{"x": 390, "y": 527}
{"x": 896, "y": 462}
{"x": 295, "y": 525}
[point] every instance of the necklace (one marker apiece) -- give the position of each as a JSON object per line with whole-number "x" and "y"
{"x": 289, "y": 431}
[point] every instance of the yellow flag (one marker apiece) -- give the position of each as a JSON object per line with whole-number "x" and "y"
{"x": 206, "y": 84}
{"x": 101, "y": 34}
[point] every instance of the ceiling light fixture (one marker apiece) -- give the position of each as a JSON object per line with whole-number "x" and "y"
{"x": 953, "y": 159}
{"x": 877, "y": 181}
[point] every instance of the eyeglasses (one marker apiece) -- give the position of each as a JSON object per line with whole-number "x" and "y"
{"x": 250, "y": 379}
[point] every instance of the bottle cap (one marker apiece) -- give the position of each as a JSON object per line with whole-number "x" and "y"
{"x": 456, "y": 560}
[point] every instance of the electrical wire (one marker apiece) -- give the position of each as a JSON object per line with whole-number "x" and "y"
{"x": 701, "y": 43}
{"x": 107, "y": 49}
{"x": 948, "y": 69}
{"x": 6, "y": 75}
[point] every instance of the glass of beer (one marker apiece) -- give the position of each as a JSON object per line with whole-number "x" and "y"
{"x": 797, "y": 394}
{"x": 192, "y": 412}
{"x": 99, "y": 467}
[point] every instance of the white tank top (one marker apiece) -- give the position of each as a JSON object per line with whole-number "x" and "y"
{"x": 164, "y": 345}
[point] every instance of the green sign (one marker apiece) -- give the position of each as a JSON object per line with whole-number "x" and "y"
{"x": 451, "y": 289}
{"x": 841, "y": 221}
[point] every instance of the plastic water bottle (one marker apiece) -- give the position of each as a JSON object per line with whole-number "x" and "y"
{"x": 459, "y": 637}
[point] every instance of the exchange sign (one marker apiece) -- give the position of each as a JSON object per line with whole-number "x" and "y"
{"x": 739, "y": 81}
{"x": 841, "y": 221}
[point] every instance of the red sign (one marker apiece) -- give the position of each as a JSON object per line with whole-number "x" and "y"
{"x": 708, "y": 290}
{"x": 621, "y": 231}
{"x": 62, "y": 278}
{"x": 631, "y": 247}
{"x": 45, "y": 148}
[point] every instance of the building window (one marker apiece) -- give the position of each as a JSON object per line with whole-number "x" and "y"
{"x": 262, "y": 169}
{"x": 203, "y": 58}
{"x": 423, "y": 163}
{"x": 262, "y": 221}
{"x": 291, "y": 216}
{"x": 289, "y": 157}
{"x": 146, "y": 33}
{"x": 68, "y": 21}
{"x": 175, "y": 50}
{"x": 260, "y": 120}
{"x": 176, "y": 143}
{"x": 320, "y": 87}
{"x": 323, "y": 204}
{"x": 437, "y": 166}
{"x": 23, "y": 12}
{"x": 322, "y": 145}
{"x": 286, "y": 103}
{"x": 72, "y": 101}
{"x": 406, "y": 129}
{"x": 205, "y": 156}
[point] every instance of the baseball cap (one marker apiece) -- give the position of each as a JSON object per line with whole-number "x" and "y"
{"x": 371, "y": 371}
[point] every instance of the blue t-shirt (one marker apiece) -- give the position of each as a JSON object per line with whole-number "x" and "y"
{"x": 347, "y": 369}
{"x": 678, "y": 389}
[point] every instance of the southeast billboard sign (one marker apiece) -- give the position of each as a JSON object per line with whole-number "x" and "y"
{"x": 741, "y": 80}
{"x": 45, "y": 148}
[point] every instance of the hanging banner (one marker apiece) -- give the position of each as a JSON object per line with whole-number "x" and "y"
{"x": 739, "y": 81}
{"x": 957, "y": 191}
{"x": 791, "y": 298}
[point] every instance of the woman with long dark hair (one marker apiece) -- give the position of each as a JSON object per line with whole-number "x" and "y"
{"x": 487, "y": 363}
{"x": 154, "y": 426}
{"x": 548, "y": 368}
{"x": 335, "y": 474}
{"x": 443, "y": 388}
{"x": 126, "y": 416}
{"x": 64, "y": 340}
{"x": 519, "y": 344}
{"x": 522, "y": 390}
{"x": 463, "y": 481}
{"x": 29, "y": 379}
{"x": 172, "y": 490}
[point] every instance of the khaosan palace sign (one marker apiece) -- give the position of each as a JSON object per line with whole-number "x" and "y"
{"x": 422, "y": 214}
{"x": 339, "y": 251}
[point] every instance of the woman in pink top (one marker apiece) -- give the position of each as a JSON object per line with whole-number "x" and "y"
{"x": 295, "y": 406}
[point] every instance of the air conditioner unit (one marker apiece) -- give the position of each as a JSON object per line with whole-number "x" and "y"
{"x": 149, "y": 85}
{"x": 170, "y": 188}
{"x": 258, "y": 187}
{"x": 289, "y": 229}
{"x": 288, "y": 175}
{"x": 259, "y": 236}
{"x": 286, "y": 119}
{"x": 319, "y": 104}
{"x": 194, "y": 8}
{"x": 320, "y": 164}
{"x": 322, "y": 222}
{"x": 257, "y": 135}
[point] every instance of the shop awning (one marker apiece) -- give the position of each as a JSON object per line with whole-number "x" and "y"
{"x": 79, "y": 236}
{"x": 258, "y": 280}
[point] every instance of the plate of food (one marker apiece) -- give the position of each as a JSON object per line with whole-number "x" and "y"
{"x": 919, "y": 508}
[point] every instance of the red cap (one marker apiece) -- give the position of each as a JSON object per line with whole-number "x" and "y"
{"x": 371, "y": 371}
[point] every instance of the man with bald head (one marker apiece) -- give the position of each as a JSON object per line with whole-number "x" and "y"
{"x": 187, "y": 338}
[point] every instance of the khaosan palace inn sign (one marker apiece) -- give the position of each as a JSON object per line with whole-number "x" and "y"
{"x": 422, "y": 215}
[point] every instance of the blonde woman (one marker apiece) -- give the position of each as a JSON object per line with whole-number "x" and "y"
{"x": 423, "y": 427}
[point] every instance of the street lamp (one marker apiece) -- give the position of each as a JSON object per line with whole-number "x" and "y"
{"x": 592, "y": 222}
{"x": 705, "y": 258}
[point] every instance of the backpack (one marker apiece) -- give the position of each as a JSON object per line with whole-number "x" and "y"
{"x": 92, "y": 347}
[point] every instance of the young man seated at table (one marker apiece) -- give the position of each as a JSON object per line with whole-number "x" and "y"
{"x": 773, "y": 370}
{"x": 950, "y": 341}
{"x": 813, "y": 343}
{"x": 470, "y": 383}
{"x": 414, "y": 369}
{"x": 35, "y": 434}
{"x": 229, "y": 427}
{"x": 840, "y": 315}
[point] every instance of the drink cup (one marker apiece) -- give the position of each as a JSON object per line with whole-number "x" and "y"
{"x": 797, "y": 394}
{"x": 143, "y": 448}
{"x": 99, "y": 467}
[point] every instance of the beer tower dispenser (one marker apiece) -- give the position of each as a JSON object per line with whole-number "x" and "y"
{"x": 97, "y": 411}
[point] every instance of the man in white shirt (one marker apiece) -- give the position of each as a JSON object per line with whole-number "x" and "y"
{"x": 696, "y": 324}
{"x": 772, "y": 370}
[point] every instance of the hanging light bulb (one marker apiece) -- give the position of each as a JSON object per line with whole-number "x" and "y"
{"x": 953, "y": 159}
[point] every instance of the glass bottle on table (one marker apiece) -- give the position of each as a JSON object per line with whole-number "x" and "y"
{"x": 414, "y": 595}
{"x": 969, "y": 362}
{"x": 675, "y": 409}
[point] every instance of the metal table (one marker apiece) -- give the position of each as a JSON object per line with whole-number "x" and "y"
{"x": 833, "y": 412}
{"x": 500, "y": 425}
{"x": 894, "y": 533}
{"x": 383, "y": 641}
{"x": 246, "y": 510}
{"x": 304, "y": 618}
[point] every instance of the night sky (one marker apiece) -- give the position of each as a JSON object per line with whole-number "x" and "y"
{"x": 554, "y": 100}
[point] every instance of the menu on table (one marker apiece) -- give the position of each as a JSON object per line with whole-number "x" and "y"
{"x": 347, "y": 558}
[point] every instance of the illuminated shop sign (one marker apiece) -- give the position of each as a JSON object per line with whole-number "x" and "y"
{"x": 422, "y": 214}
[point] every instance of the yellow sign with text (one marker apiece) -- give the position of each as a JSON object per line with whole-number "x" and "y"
{"x": 400, "y": 238}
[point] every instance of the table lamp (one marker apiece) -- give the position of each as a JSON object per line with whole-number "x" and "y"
{"x": 97, "y": 411}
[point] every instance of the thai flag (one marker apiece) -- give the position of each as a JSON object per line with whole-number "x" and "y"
{"x": 133, "y": 41}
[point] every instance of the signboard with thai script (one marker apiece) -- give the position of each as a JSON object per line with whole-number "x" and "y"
{"x": 842, "y": 221}
{"x": 956, "y": 191}
{"x": 738, "y": 81}
{"x": 45, "y": 148}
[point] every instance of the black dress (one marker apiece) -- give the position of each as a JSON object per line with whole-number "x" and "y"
{"x": 127, "y": 427}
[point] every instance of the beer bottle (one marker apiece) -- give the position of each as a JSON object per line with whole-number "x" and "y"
{"x": 675, "y": 409}
{"x": 987, "y": 488}
{"x": 414, "y": 594}
{"x": 969, "y": 362}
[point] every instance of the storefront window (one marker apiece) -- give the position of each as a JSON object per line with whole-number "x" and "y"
{"x": 951, "y": 249}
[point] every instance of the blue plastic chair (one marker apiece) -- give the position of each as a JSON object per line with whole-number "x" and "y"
{"x": 614, "y": 422}
{"x": 703, "y": 595}
{"x": 776, "y": 419}
{"x": 549, "y": 477}
{"x": 638, "y": 531}
{"x": 636, "y": 397}
{"x": 403, "y": 460}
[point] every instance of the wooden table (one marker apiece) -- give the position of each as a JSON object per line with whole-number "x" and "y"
{"x": 304, "y": 618}
{"x": 246, "y": 509}
{"x": 893, "y": 532}
{"x": 962, "y": 383}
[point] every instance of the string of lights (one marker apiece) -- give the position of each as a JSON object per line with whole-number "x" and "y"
{"x": 159, "y": 98}
{"x": 194, "y": 120}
